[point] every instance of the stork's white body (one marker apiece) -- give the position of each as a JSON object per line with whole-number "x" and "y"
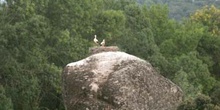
{"x": 96, "y": 40}
{"x": 103, "y": 43}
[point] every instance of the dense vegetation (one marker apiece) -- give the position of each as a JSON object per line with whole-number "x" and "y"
{"x": 179, "y": 9}
{"x": 38, "y": 38}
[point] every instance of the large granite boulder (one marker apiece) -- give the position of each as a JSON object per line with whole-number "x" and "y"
{"x": 117, "y": 81}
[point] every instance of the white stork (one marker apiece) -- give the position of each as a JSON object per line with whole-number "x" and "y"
{"x": 96, "y": 40}
{"x": 103, "y": 43}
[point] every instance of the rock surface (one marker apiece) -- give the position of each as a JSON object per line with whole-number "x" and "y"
{"x": 117, "y": 81}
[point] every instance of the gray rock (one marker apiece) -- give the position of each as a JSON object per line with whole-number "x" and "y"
{"x": 117, "y": 81}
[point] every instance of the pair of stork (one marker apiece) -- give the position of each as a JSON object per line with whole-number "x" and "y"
{"x": 97, "y": 42}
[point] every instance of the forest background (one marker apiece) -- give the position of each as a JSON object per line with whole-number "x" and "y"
{"x": 180, "y": 38}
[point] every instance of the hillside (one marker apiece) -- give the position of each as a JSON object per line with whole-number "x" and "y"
{"x": 179, "y": 9}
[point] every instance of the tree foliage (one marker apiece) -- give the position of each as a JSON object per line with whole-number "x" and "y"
{"x": 210, "y": 17}
{"x": 180, "y": 9}
{"x": 201, "y": 102}
{"x": 5, "y": 102}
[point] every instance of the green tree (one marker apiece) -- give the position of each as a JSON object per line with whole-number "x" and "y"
{"x": 209, "y": 52}
{"x": 197, "y": 72}
{"x": 138, "y": 32}
{"x": 5, "y": 102}
{"x": 110, "y": 25}
{"x": 161, "y": 26}
{"x": 201, "y": 102}
{"x": 209, "y": 44}
{"x": 215, "y": 94}
{"x": 24, "y": 62}
{"x": 76, "y": 16}
{"x": 117, "y": 4}
{"x": 208, "y": 16}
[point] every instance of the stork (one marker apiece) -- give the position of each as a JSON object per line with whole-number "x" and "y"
{"x": 103, "y": 43}
{"x": 96, "y": 40}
